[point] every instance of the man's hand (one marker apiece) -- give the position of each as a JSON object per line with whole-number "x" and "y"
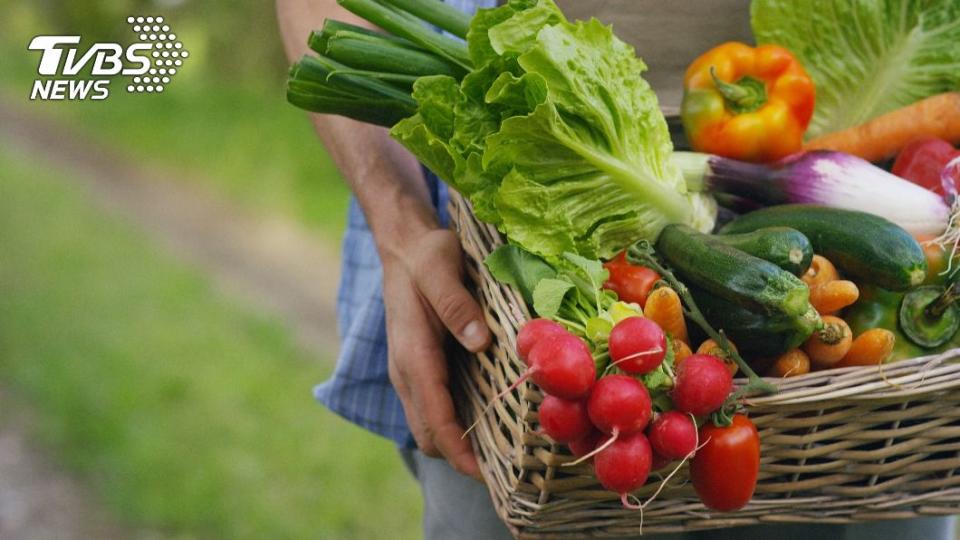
{"x": 425, "y": 297}
{"x": 422, "y": 263}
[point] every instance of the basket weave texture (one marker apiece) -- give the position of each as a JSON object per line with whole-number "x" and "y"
{"x": 838, "y": 446}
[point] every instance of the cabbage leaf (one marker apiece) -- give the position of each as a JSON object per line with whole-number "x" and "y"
{"x": 866, "y": 57}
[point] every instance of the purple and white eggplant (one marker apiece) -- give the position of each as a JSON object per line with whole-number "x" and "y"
{"x": 821, "y": 177}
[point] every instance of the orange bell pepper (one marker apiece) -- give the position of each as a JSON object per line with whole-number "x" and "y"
{"x": 751, "y": 104}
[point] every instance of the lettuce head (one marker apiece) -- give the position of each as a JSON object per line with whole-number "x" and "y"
{"x": 554, "y": 136}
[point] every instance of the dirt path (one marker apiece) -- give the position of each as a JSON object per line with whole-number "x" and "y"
{"x": 271, "y": 264}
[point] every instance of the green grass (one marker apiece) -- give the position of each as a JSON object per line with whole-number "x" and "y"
{"x": 185, "y": 411}
{"x": 239, "y": 138}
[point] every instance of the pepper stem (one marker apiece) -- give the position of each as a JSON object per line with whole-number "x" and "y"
{"x": 746, "y": 95}
{"x": 939, "y": 306}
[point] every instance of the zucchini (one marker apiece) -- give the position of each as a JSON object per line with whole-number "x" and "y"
{"x": 729, "y": 273}
{"x": 865, "y": 247}
{"x": 754, "y": 334}
{"x": 785, "y": 247}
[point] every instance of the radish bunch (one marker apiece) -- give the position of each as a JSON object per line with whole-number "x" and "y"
{"x": 611, "y": 419}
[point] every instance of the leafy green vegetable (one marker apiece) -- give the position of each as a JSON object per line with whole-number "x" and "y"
{"x": 548, "y": 296}
{"x": 866, "y": 57}
{"x": 554, "y": 136}
{"x": 514, "y": 266}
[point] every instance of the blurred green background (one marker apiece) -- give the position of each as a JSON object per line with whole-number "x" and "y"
{"x": 185, "y": 410}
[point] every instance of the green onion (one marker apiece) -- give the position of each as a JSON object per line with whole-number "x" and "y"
{"x": 407, "y": 26}
{"x": 331, "y": 27}
{"x": 371, "y": 54}
{"x": 321, "y": 99}
{"x": 435, "y": 12}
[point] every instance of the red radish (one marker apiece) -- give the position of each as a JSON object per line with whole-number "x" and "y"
{"x": 534, "y": 331}
{"x": 701, "y": 385}
{"x": 637, "y": 345}
{"x": 624, "y": 465}
{"x": 562, "y": 366}
{"x": 584, "y": 446}
{"x": 564, "y": 420}
{"x": 659, "y": 461}
{"x": 672, "y": 435}
{"x": 618, "y": 405}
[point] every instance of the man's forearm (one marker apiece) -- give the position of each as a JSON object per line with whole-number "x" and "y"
{"x": 385, "y": 178}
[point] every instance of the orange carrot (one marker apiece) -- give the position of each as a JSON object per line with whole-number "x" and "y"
{"x": 828, "y": 346}
{"x": 664, "y": 308}
{"x": 712, "y": 348}
{"x": 680, "y": 351}
{"x": 833, "y": 296}
{"x": 821, "y": 271}
{"x": 870, "y": 348}
{"x": 790, "y": 364}
{"x": 884, "y": 136}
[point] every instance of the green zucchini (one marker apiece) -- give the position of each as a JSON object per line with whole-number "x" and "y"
{"x": 729, "y": 273}
{"x": 785, "y": 247}
{"x": 865, "y": 247}
{"x": 754, "y": 334}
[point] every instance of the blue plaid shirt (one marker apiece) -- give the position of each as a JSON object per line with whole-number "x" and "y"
{"x": 359, "y": 389}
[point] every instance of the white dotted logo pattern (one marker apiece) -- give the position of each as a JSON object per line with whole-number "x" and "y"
{"x": 166, "y": 57}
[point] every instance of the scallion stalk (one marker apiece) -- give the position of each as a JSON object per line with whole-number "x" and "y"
{"x": 405, "y": 25}
{"x": 373, "y": 54}
{"x": 439, "y": 14}
{"x": 331, "y": 27}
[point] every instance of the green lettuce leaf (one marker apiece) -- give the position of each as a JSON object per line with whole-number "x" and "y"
{"x": 866, "y": 57}
{"x": 554, "y": 136}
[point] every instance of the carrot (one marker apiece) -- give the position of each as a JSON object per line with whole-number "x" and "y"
{"x": 821, "y": 271}
{"x": 663, "y": 307}
{"x": 680, "y": 351}
{"x": 713, "y": 349}
{"x": 884, "y": 136}
{"x": 833, "y": 296}
{"x": 790, "y": 364}
{"x": 870, "y": 348}
{"x": 828, "y": 346}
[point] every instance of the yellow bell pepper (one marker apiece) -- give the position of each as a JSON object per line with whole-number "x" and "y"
{"x": 745, "y": 103}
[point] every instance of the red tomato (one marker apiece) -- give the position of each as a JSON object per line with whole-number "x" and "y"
{"x": 724, "y": 472}
{"x": 923, "y": 160}
{"x": 631, "y": 282}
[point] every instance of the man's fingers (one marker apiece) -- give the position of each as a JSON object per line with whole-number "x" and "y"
{"x": 439, "y": 280}
{"x": 435, "y": 402}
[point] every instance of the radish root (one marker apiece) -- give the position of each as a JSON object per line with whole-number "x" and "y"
{"x": 950, "y": 239}
{"x": 613, "y": 438}
{"x": 497, "y": 398}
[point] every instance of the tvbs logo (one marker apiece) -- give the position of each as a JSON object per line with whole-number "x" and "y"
{"x": 151, "y": 63}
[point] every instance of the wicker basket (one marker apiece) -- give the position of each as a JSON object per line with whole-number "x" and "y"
{"x": 837, "y": 446}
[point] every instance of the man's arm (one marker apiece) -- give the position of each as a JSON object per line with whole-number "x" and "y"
{"x": 422, "y": 262}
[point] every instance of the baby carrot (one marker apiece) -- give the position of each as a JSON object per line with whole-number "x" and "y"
{"x": 829, "y": 345}
{"x": 870, "y": 348}
{"x": 712, "y": 348}
{"x": 663, "y": 307}
{"x": 832, "y": 296}
{"x": 821, "y": 271}
{"x": 790, "y": 364}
